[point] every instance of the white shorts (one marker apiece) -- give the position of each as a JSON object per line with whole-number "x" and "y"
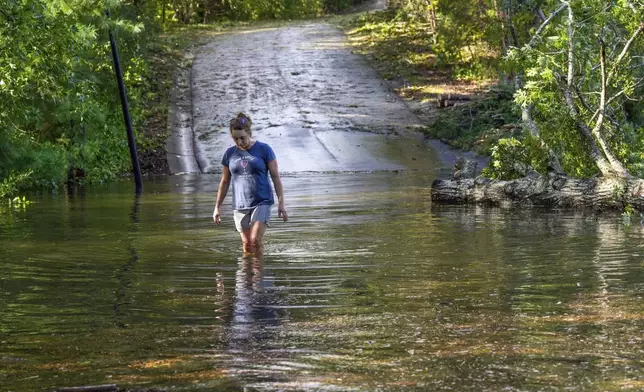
{"x": 244, "y": 219}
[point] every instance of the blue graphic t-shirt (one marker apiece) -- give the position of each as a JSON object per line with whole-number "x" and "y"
{"x": 249, "y": 171}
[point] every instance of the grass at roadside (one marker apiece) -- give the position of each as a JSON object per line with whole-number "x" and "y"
{"x": 469, "y": 114}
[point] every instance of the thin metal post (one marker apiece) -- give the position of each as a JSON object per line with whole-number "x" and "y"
{"x": 126, "y": 113}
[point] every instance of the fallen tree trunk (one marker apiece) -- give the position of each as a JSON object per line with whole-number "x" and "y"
{"x": 90, "y": 388}
{"x": 552, "y": 190}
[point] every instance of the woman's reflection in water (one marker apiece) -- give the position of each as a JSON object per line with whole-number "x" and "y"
{"x": 255, "y": 310}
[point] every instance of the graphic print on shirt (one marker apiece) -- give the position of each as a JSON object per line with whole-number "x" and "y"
{"x": 245, "y": 162}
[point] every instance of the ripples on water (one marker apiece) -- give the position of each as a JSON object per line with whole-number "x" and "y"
{"x": 367, "y": 287}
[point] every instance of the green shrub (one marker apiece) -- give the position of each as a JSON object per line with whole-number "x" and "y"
{"x": 512, "y": 159}
{"x": 12, "y": 183}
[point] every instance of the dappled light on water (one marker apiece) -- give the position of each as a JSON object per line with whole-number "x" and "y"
{"x": 368, "y": 287}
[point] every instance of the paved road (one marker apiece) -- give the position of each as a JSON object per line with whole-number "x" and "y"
{"x": 321, "y": 107}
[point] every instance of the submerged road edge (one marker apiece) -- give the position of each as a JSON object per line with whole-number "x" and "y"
{"x": 180, "y": 151}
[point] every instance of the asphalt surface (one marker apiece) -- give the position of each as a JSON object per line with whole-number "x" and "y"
{"x": 321, "y": 107}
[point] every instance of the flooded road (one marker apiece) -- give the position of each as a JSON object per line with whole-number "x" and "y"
{"x": 369, "y": 287}
{"x": 320, "y": 106}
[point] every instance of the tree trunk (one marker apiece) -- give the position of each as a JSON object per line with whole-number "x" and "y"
{"x": 432, "y": 16}
{"x": 508, "y": 9}
{"x": 552, "y": 190}
{"x": 597, "y": 154}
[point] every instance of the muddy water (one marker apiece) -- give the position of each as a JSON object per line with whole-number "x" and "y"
{"x": 368, "y": 287}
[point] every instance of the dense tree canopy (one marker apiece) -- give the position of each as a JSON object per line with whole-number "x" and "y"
{"x": 57, "y": 89}
{"x": 583, "y": 81}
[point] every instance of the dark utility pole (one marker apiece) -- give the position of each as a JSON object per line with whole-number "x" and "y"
{"x": 126, "y": 113}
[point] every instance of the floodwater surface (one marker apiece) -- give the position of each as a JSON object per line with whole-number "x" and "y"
{"x": 368, "y": 287}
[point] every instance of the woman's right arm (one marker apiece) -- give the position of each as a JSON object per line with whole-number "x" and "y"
{"x": 221, "y": 194}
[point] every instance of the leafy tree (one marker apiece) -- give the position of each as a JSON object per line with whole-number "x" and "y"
{"x": 574, "y": 65}
{"x": 580, "y": 78}
{"x": 57, "y": 89}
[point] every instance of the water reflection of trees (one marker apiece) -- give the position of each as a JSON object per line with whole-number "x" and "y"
{"x": 566, "y": 284}
{"x": 497, "y": 297}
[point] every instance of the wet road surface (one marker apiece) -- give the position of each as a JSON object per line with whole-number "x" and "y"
{"x": 320, "y": 107}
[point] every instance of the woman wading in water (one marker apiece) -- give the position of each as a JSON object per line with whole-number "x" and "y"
{"x": 247, "y": 165}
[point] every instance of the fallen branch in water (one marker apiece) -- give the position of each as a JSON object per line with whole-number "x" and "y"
{"x": 90, "y": 388}
{"x": 106, "y": 388}
{"x": 551, "y": 190}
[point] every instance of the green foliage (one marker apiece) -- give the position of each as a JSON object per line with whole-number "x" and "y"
{"x": 107, "y": 156}
{"x": 26, "y": 164}
{"x": 12, "y": 183}
{"x": 628, "y": 211}
{"x": 338, "y": 5}
{"x": 397, "y": 48}
{"x": 512, "y": 159}
{"x": 470, "y": 37}
{"x": 58, "y": 89}
{"x": 465, "y": 34}
{"x": 262, "y": 10}
{"x": 207, "y": 11}
{"x": 545, "y": 66}
{"x": 477, "y": 125}
{"x": 558, "y": 132}
{"x": 19, "y": 202}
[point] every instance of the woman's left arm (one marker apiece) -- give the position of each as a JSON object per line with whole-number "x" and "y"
{"x": 277, "y": 181}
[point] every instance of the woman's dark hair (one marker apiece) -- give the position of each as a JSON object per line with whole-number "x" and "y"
{"x": 242, "y": 121}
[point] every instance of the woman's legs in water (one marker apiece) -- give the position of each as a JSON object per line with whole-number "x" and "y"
{"x": 247, "y": 248}
{"x": 257, "y": 231}
{"x": 253, "y": 239}
{"x": 251, "y": 225}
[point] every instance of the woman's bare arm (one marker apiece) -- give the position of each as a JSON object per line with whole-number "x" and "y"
{"x": 279, "y": 189}
{"x": 221, "y": 194}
